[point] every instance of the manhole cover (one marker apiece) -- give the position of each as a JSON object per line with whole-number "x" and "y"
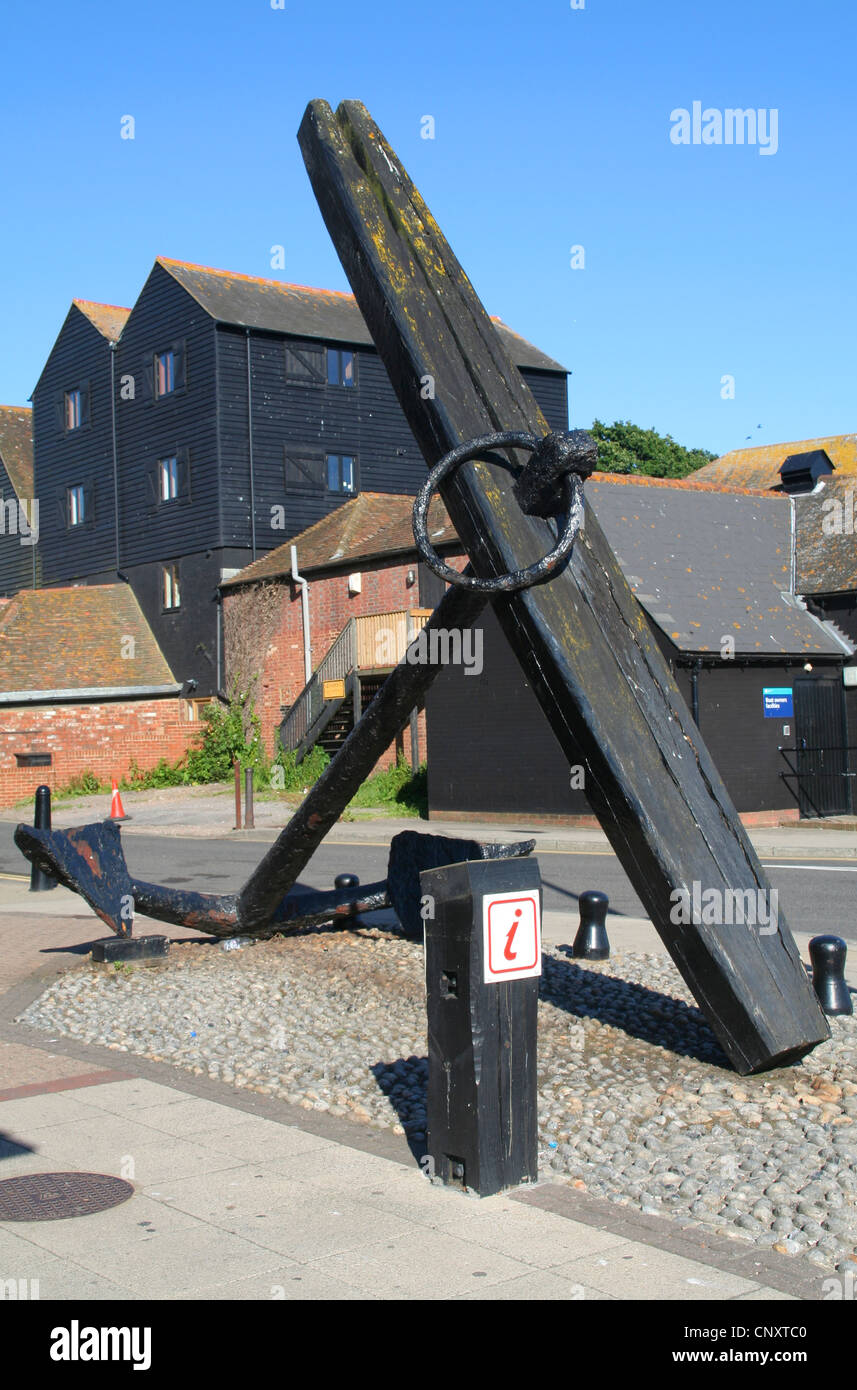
{"x": 57, "y": 1196}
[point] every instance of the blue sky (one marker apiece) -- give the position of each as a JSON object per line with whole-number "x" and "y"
{"x": 552, "y": 130}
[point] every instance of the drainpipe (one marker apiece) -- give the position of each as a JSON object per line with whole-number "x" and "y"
{"x": 304, "y": 588}
{"x": 250, "y": 446}
{"x": 113, "y": 347}
{"x": 694, "y": 691}
{"x": 219, "y": 598}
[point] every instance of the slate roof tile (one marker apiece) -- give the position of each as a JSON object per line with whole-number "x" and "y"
{"x": 252, "y": 302}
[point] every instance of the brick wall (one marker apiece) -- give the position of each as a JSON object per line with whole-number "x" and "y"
{"x": 384, "y": 589}
{"x": 98, "y": 738}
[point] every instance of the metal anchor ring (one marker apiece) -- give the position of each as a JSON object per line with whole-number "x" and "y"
{"x": 572, "y": 505}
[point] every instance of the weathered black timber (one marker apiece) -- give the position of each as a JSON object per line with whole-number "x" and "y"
{"x": 63, "y": 458}
{"x": 112, "y": 949}
{"x": 19, "y": 560}
{"x": 321, "y": 808}
{"x": 482, "y": 1038}
{"x": 580, "y": 638}
{"x": 411, "y": 853}
{"x": 78, "y": 857}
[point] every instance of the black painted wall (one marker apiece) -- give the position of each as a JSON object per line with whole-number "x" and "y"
{"x": 491, "y": 749}
{"x": 183, "y": 422}
{"x": 80, "y": 357}
{"x": 206, "y": 424}
{"x": 19, "y": 563}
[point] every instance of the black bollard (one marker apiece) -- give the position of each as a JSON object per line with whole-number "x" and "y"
{"x": 483, "y": 961}
{"x": 40, "y": 882}
{"x": 827, "y": 954}
{"x": 591, "y": 942}
{"x": 346, "y": 881}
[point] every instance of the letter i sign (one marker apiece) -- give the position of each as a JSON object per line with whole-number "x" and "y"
{"x": 511, "y": 924}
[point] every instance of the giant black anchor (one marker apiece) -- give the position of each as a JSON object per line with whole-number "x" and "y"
{"x": 582, "y": 639}
{"x": 90, "y": 860}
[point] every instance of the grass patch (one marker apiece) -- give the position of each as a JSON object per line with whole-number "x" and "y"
{"x": 396, "y": 789}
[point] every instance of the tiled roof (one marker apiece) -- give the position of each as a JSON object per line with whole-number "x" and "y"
{"x": 16, "y": 447}
{"x": 73, "y": 639}
{"x": 705, "y": 562}
{"x": 251, "y": 302}
{"x": 683, "y": 484}
{"x": 708, "y": 564}
{"x": 368, "y": 527}
{"x": 826, "y": 556}
{"x": 109, "y": 319}
{"x": 760, "y": 467}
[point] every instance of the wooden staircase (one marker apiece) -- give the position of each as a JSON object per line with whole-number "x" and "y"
{"x": 346, "y": 680}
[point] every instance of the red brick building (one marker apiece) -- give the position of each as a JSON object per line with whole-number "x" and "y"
{"x": 83, "y": 687}
{"x": 360, "y": 563}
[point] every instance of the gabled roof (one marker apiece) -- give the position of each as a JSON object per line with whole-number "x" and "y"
{"x": 760, "y": 467}
{"x": 16, "y": 447}
{"x": 61, "y": 640}
{"x": 705, "y": 562}
{"x": 826, "y": 537}
{"x": 709, "y": 563}
{"x": 251, "y": 302}
{"x": 109, "y": 319}
{"x": 371, "y": 526}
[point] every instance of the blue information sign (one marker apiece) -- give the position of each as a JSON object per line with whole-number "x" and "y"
{"x": 777, "y": 701}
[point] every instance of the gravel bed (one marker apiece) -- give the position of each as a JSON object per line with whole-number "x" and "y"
{"x": 637, "y": 1102}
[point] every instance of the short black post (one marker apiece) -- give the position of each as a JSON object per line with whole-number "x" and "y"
{"x": 249, "y": 822}
{"x": 346, "y": 881}
{"x": 827, "y": 954}
{"x": 483, "y": 961}
{"x": 236, "y": 768}
{"x": 41, "y": 882}
{"x": 591, "y": 941}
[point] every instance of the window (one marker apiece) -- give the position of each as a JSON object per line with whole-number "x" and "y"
{"x": 165, "y": 373}
{"x": 171, "y": 591}
{"x": 341, "y": 473}
{"x": 305, "y": 364}
{"x": 340, "y": 367}
{"x": 169, "y": 479}
{"x": 73, "y": 409}
{"x": 305, "y": 471}
{"x": 75, "y": 505}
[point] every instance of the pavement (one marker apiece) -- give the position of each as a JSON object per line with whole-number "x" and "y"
{"x": 242, "y": 1197}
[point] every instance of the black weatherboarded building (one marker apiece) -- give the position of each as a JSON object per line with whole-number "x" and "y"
{"x": 176, "y": 441}
{"x": 714, "y": 571}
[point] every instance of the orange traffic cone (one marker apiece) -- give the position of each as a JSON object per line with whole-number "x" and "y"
{"x": 117, "y": 810}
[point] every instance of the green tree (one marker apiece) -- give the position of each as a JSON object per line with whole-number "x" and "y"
{"x": 626, "y": 448}
{"x": 231, "y": 731}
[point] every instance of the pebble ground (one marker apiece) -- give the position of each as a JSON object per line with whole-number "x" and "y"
{"x": 637, "y": 1102}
